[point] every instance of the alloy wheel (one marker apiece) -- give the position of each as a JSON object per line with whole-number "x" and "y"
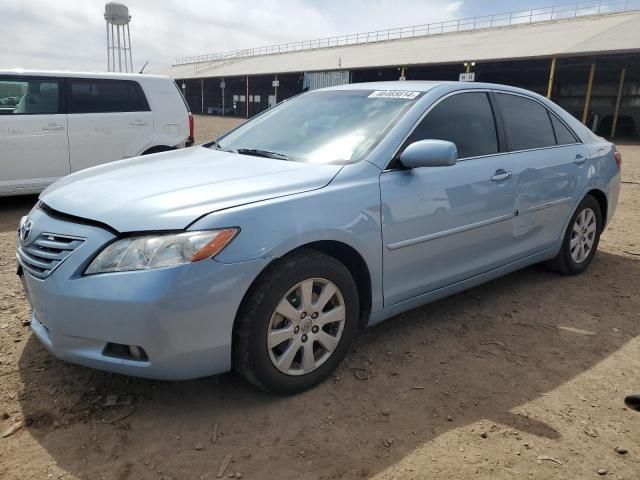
{"x": 306, "y": 326}
{"x": 583, "y": 235}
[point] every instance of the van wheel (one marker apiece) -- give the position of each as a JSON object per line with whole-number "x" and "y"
{"x": 581, "y": 239}
{"x": 297, "y": 323}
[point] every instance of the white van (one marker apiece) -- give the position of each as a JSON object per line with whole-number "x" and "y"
{"x": 54, "y": 123}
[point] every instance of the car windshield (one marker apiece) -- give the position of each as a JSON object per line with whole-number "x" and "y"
{"x": 331, "y": 126}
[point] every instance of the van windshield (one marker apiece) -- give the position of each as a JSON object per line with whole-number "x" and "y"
{"x": 330, "y": 126}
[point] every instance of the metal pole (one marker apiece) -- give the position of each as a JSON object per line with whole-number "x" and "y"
{"x": 119, "y": 53}
{"x": 247, "y": 97}
{"x": 276, "y": 87}
{"x": 587, "y": 100}
{"x": 202, "y": 96}
{"x": 222, "y": 97}
{"x": 552, "y": 75}
{"x": 113, "y": 50}
{"x": 618, "y": 100}
{"x": 129, "y": 43}
{"x": 108, "y": 59}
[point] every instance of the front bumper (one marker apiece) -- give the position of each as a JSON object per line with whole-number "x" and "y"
{"x": 181, "y": 316}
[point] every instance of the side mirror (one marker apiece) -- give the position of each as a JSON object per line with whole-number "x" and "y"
{"x": 429, "y": 153}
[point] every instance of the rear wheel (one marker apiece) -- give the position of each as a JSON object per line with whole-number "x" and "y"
{"x": 296, "y": 325}
{"x": 581, "y": 239}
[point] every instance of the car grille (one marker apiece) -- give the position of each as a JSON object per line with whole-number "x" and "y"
{"x": 46, "y": 253}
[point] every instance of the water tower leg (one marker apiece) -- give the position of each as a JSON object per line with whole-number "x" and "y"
{"x": 129, "y": 43}
{"x": 119, "y": 49}
{"x": 108, "y": 58}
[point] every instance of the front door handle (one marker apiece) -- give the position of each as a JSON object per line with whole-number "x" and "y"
{"x": 501, "y": 175}
{"x": 53, "y": 126}
{"x": 138, "y": 123}
{"x": 580, "y": 159}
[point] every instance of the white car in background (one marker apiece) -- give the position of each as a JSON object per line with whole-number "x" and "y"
{"x": 53, "y": 123}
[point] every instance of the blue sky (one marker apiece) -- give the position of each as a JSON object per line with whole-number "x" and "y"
{"x": 70, "y": 34}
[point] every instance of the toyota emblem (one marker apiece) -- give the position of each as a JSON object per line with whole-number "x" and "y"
{"x": 25, "y": 229}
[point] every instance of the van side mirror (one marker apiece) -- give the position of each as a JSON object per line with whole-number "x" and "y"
{"x": 429, "y": 153}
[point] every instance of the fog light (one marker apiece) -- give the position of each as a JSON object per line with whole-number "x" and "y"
{"x": 126, "y": 352}
{"x": 136, "y": 352}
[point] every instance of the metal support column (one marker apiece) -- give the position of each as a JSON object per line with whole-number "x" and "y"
{"x": 276, "y": 89}
{"x": 202, "y": 96}
{"x": 616, "y": 112}
{"x": 587, "y": 100}
{"x": 222, "y": 87}
{"x": 552, "y": 76}
{"x": 247, "y": 97}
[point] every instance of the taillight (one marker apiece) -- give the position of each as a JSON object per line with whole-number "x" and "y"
{"x": 191, "y": 128}
{"x": 618, "y": 156}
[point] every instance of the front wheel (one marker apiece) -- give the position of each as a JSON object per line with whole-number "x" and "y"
{"x": 581, "y": 239}
{"x": 297, "y": 323}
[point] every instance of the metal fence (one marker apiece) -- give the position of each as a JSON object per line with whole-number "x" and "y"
{"x": 535, "y": 15}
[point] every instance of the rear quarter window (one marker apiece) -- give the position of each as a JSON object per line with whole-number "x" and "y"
{"x": 564, "y": 136}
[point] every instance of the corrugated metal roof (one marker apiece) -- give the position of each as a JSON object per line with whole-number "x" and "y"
{"x": 579, "y": 36}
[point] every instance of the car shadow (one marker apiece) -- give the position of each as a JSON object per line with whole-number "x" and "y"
{"x": 477, "y": 356}
{"x": 12, "y": 209}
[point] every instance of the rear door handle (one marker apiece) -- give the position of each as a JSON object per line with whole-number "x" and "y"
{"x": 138, "y": 123}
{"x": 580, "y": 159}
{"x": 501, "y": 175}
{"x": 53, "y": 126}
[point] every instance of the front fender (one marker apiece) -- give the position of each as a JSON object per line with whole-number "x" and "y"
{"x": 346, "y": 211}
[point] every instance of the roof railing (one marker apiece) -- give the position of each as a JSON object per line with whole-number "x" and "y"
{"x": 535, "y": 15}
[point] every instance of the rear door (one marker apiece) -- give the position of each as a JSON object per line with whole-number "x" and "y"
{"x": 441, "y": 225}
{"x": 550, "y": 169}
{"x": 108, "y": 120}
{"x": 33, "y": 133}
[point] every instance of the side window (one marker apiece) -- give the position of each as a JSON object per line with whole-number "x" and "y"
{"x": 105, "y": 96}
{"x": 526, "y": 123}
{"x": 466, "y": 119}
{"x": 29, "y": 96}
{"x": 563, "y": 134}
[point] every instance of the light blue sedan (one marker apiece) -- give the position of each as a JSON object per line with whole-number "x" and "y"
{"x": 269, "y": 250}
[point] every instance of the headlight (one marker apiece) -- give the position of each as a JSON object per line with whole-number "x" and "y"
{"x": 156, "y": 251}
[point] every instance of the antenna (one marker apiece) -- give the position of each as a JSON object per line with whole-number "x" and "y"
{"x": 117, "y": 20}
{"x": 144, "y": 66}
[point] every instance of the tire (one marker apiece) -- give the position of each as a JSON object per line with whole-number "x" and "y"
{"x": 566, "y": 262}
{"x": 286, "y": 284}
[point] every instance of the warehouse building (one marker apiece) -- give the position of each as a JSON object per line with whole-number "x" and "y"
{"x": 585, "y": 57}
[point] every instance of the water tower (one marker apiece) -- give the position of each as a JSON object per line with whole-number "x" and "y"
{"x": 118, "y": 38}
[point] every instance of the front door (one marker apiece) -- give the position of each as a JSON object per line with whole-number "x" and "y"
{"x": 33, "y": 133}
{"x": 441, "y": 225}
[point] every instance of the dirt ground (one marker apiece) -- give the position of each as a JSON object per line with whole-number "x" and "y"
{"x": 523, "y": 377}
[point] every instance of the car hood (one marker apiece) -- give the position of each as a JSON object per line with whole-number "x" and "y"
{"x": 168, "y": 191}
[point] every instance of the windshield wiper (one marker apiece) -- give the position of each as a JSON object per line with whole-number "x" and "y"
{"x": 263, "y": 153}
{"x": 215, "y": 145}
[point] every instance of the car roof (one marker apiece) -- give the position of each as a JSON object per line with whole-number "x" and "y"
{"x": 76, "y": 74}
{"x": 427, "y": 85}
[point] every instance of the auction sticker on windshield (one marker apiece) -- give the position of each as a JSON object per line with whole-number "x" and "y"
{"x": 394, "y": 94}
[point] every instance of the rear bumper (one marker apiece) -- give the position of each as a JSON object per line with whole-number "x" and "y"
{"x": 182, "y": 316}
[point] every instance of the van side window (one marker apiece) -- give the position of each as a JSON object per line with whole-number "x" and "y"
{"x": 526, "y": 123}
{"x": 105, "y": 96}
{"x": 466, "y": 119}
{"x": 29, "y": 96}
{"x": 563, "y": 134}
